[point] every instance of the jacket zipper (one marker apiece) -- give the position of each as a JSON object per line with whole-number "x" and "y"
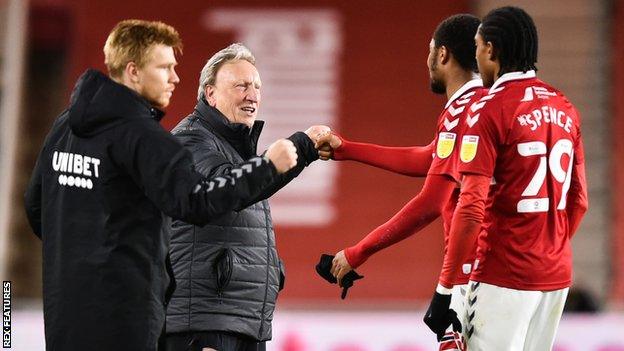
{"x": 268, "y": 265}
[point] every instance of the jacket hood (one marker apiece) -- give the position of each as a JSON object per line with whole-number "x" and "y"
{"x": 243, "y": 138}
{"x": 98, "y": 103}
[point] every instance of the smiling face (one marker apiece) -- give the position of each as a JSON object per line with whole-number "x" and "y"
{"x": 156, "y": 80}
{"x": 236, "y": 92}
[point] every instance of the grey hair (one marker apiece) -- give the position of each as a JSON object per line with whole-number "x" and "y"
{"x": 236, "y": 51}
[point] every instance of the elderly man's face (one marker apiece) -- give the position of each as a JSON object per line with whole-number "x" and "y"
{"x": 236, "y": 92}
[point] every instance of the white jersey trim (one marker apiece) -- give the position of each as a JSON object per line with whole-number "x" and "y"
{"x": 511, "y": 76}
{"x": 476, "y": 82}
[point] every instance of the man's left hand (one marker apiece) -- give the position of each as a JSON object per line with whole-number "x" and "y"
{"x": 440, "y": 316}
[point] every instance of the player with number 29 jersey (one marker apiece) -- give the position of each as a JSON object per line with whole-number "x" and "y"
{"x": 526, "y": 135}
{"x": 523, "y": 193}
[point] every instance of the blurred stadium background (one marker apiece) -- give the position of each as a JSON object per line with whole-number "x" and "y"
{"x": 358, "y": 66}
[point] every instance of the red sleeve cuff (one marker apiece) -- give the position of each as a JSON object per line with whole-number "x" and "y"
{"x": 355, "y": 256}
{"x": 343, "y": 152}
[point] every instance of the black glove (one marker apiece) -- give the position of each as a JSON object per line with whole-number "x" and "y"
{"x": 439, "y": 316}
{"x": 323, "y": 268}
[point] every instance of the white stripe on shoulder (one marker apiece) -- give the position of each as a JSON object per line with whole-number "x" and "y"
{"x": 509, "y": 77}
{"x": 464, "y": 88}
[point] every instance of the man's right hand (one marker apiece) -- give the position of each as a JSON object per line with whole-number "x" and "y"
{"x": 283, "y": 155}
{"x": 326, "y": 145}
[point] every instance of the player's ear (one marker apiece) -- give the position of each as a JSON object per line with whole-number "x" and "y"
{"x": 131, "y": 72}
{"x": 209, "y": 92}
{"x": 491, "y": 51}
{"x": 444, "y": 55}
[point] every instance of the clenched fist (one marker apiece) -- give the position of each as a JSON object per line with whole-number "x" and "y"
{"x": 326, "y": 145}
{"x": 317, "y": 131}
{"x": 283, "y": 155}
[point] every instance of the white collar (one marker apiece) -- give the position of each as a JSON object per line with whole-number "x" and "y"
{"x": 511, "y": 76}
{"x": 475, "y": 82}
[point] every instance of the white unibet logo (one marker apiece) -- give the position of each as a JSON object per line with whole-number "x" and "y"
{"x": 82, "y": 167}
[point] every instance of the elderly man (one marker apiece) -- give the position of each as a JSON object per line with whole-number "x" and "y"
{"x": 228, "y": 272}
{"x": 106, "y": 176}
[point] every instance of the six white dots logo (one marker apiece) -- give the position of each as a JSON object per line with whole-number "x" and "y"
{"x": 78, "y": 182}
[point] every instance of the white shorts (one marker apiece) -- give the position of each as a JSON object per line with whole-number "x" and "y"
{"x": 455, "y": 341}
{"x": 503, "y": 319}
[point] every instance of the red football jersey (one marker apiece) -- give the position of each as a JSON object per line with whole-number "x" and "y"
{"x": 526, "y": 136}
{"x": 450, "y": 128}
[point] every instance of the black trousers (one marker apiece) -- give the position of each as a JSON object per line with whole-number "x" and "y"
{"x": 220, "y": 341}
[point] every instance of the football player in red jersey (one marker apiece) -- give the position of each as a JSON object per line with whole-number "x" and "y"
{"x": 523, "y": 192}
{"x": 452, "y": 67}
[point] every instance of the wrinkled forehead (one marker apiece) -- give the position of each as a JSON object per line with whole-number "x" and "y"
{"x": 238, "y": 70}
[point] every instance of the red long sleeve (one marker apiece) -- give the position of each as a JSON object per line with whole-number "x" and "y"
{"x": 412, "y": 161}
{"x": 465, "y": 226}
{"x": 577, "y": 203}
{"x": 420, "y": 211}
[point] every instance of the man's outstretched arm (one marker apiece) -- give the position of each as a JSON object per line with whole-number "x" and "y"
{"x": 413, "y": 161}
{"x": 415, "y": 215}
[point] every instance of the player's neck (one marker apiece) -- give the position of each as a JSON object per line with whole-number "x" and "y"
{"x": 456, "y": 81}
{"x": 497, "y": 72}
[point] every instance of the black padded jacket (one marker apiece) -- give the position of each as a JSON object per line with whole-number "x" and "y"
{"x": 228, "y": 271}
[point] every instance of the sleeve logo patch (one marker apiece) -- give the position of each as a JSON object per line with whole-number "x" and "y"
{"x": 469, "y": 148}
{"x": 446, "y": 143}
